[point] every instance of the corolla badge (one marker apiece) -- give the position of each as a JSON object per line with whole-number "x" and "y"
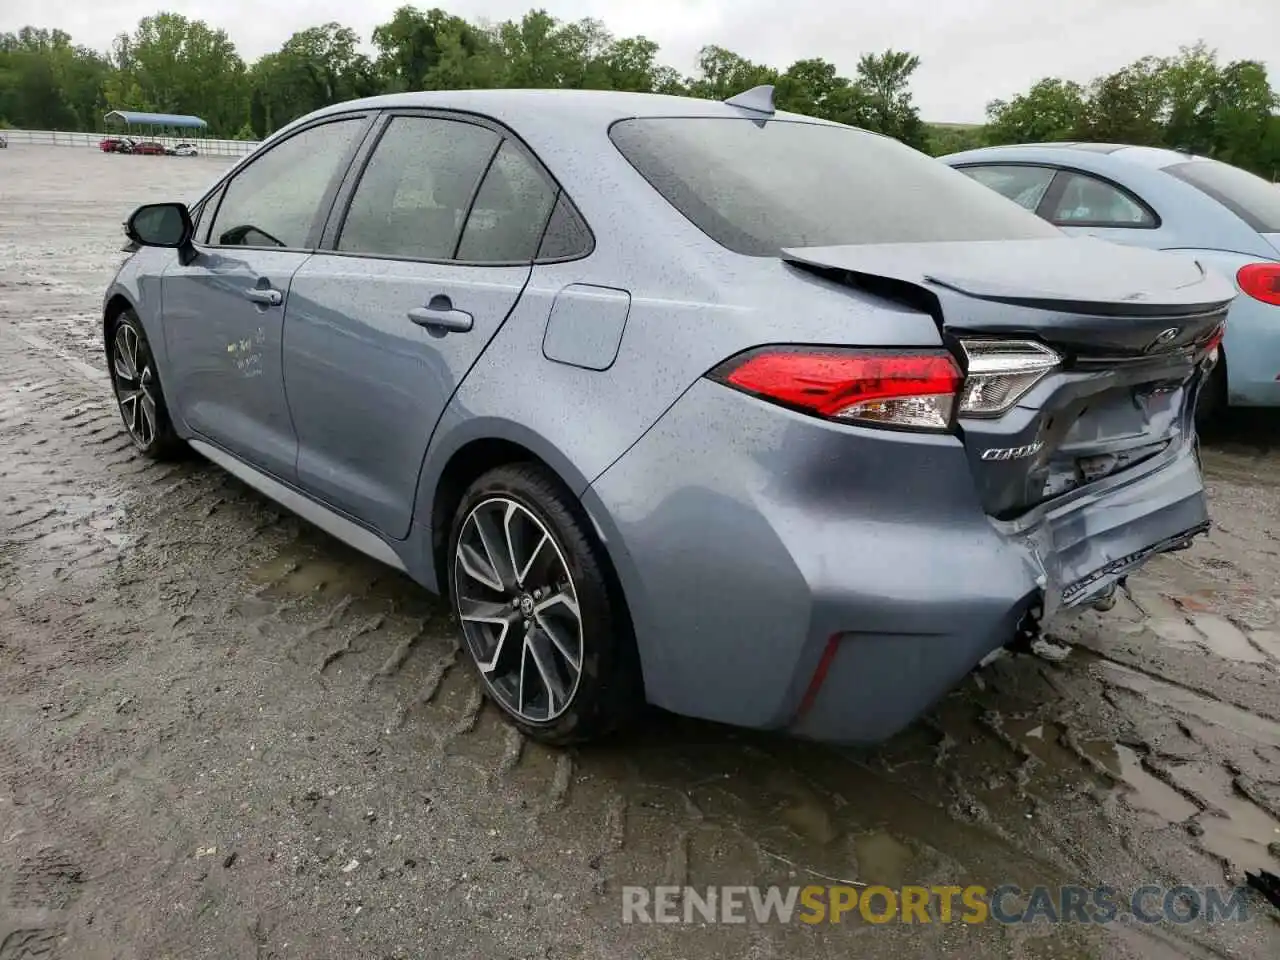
{"x": 1012, "y": 453}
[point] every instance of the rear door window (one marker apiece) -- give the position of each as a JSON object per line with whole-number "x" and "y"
{"x": 510, "y": 211}
{"x": 1252, "y": 199}
{"x": 1024, "y": 185}
{"x": 415, "y": 192}
{"x": 759, "y": 187}
{"x": 1083, "y": 201}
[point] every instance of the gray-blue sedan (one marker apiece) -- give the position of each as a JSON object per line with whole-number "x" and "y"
{"x": 754, "y": 416}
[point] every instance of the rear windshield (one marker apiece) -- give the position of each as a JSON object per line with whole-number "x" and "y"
{"x": 1252, "y": 199}
{"x": 757, "y": 188}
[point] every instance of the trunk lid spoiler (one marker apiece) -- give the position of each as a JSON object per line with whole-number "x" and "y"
{"x": 1082, "y": 294}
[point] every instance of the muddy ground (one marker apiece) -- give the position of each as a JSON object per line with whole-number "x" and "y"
{"x": 223, "y": 734}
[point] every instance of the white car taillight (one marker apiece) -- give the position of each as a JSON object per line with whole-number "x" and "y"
{"x": 1000, "y": 372}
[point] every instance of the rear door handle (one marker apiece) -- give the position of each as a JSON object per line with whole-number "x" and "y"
{"x": 265, "y": 296}
{"x": 439, "y": 315}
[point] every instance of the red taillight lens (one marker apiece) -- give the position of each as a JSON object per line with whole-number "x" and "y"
{"x": 890, "y": 388}
{"x": 1260, "y": 281}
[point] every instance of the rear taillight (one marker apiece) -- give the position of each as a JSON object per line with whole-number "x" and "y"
{"x": 890, "y": 388}
{"x": 1260, "y": 281}
{"x": 1000, "y": 374}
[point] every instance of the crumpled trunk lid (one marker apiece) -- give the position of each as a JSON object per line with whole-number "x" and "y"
{"x": 1132, "y": 328}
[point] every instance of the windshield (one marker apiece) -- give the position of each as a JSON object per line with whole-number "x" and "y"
{"x": 1252, "y": 199}
{"x": 759, "y": 187}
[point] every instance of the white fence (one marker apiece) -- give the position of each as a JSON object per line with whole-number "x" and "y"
{"x": 56, "y": 138}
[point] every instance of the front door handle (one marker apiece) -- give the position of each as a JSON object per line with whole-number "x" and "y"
{"x": 265, "y": 296}
{"x": 439, "y": 317}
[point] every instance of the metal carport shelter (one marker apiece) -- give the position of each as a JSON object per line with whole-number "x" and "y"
{"x": 157, "y": 122}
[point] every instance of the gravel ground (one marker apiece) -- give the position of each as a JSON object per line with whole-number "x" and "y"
{"x": 223, "y": 734}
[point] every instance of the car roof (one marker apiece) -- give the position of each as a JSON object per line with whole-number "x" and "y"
{"x": 594, "y": 107}
{"x": 1156, "y": 158}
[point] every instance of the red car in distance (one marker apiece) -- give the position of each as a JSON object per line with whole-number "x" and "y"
{"x": 115, "y": 145}
{"x": 149, "y": 148}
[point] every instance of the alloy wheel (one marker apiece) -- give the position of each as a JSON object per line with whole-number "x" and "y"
{"x": 135, "y": 385}
{"x": 518, "y": 607}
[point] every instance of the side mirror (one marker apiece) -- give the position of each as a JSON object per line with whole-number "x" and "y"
{"x": 160, "y": 225}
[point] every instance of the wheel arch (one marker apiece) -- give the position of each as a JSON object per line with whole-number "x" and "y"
{"x": 470, "y": 459}
{"x": 117, "y": 303}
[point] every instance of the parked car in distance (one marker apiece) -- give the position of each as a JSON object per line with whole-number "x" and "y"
{"x": 1224, "y": 217}
{"x": 3, "y": 142}
{"x": 757, "y": 417}
{"x": 182, "y": 150}
{"x": 150, "y": 148}
{"x": 115, "y": 145}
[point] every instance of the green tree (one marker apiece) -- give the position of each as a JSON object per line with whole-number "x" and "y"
{"x": 1052, "y": 110}
{"x": 431, "y": 50}
{"x": 175, "y": 65}
{"x": 316, "y": 67}
{"x": 723, "y": 74}
{"x": 885, "y": 78}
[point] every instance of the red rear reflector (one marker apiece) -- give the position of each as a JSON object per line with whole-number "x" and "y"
{"x": 1215, "y": 339}
{"x": 1260, "y": 281}
{"x": 887, "y": 387}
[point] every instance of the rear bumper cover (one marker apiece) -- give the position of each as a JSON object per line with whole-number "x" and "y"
{"x": 755, "y": 545}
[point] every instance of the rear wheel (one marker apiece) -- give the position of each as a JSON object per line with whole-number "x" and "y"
{"x": 553, "y": 648}
{"x": 136, "y": 381}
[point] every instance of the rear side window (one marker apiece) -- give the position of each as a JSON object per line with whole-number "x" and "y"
{"x": 1249, "y": 197}
{"x": 1087, "y": 201}
{"x": 757, "y": 188}
{"x": 1025, "y": 186}
{"x": 567, "y": 236}
{"x": 510, "y": 211}
{"x": 415, "y": 191}
{"x": 275, "y": 200}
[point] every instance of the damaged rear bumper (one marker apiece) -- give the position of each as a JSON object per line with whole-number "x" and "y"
{"x": 1079, "y": 549}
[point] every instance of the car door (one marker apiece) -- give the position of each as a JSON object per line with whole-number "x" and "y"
{"x": 428, "y": 251}
{"x": 1085, "y": 204}
{"x": 224, "y": 308}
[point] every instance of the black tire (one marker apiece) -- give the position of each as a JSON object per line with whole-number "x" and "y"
{"x": 606, "y": 694}
{"x": 135, "y": 380}
{"x": 1211, "y": 405}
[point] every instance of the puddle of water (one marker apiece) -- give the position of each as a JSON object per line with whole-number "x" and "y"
{"x": 1170, "y": 695}
{"x": 1243, "y": 834}
{"x": 1145, "y": 792}
{"x": 883, "y": 857}
{"x": 294, "y": 576}
{"x": 1225, "y": 639}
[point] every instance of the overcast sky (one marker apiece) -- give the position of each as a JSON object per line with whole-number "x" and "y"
{"x": 971, "y": 50}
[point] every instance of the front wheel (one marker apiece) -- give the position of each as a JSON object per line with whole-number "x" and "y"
{"x": 552, "y": 644}
{"x": 135, "y": 379}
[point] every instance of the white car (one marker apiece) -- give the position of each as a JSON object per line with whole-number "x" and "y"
{"x": 185, "y": 150}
